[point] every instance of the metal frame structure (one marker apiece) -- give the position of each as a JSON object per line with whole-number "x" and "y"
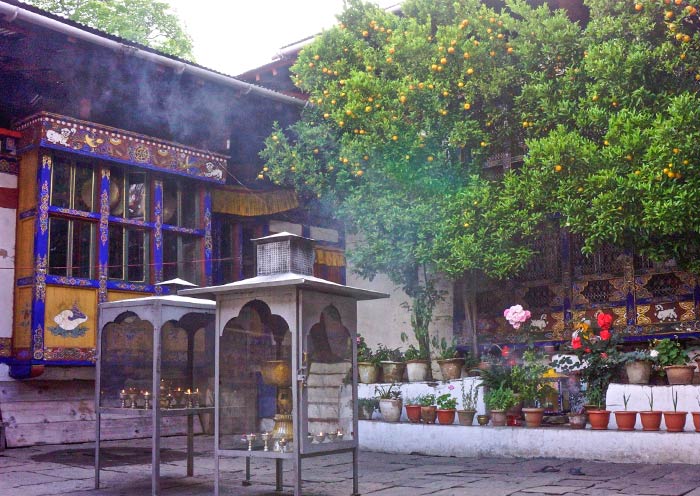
{"x": 157, "y": 310}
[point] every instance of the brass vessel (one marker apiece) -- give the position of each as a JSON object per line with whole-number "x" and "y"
{"x": 279, "y": 373}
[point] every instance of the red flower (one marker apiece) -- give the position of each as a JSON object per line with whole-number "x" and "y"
{"x": 605, "y": 334}
{"x": 605, "y": 320}
{"x": 587, "y": 350}
{"x": 576, "y": 343}
{"x": 604, "y": 355}
{"x": 505, "y": 351}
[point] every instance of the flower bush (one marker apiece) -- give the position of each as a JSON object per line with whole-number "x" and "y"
{"x": 364, "y": 352}
{"x": 470, "y": 396}
{"x": 597, "y": 360}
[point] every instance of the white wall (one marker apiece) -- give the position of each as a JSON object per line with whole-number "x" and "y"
{"x": 8, "y": 218}
{"x": 382, "y": 321}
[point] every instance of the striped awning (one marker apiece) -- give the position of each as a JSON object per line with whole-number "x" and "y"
{"x": 249, "y": 203}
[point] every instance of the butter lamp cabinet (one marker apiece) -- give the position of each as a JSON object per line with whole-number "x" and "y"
{"x": 155, "y": 365}
{"x": 285, "y": 362}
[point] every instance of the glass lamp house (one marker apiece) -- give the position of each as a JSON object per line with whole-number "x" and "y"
{"x": 285, "y": 361}
{"x": 155, "y": 363}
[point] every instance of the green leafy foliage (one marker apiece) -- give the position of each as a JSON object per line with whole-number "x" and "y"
{"x": 406, "y": 111}
{"x": 502, "y": 398}
{"x": 148, "y": 22}
{"x": 670, "y": 352}
{"x": 446, "y": 402}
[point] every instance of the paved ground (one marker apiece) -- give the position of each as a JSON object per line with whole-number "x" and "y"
{"x": 67, "y": 469}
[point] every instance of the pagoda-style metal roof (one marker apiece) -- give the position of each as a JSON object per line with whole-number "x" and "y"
{"x": 281, "y": 280}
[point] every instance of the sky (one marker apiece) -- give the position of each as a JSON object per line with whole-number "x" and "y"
{"x": 233, "y": 36}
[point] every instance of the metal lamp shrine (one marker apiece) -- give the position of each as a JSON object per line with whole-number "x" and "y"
{"x": 285, "y": 361}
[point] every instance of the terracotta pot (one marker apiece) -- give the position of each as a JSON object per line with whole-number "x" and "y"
{"x": 466, "y": 417}
{"x": 368, "y": 373}
{"x": 418, "y": 370}
{"x": 696, "y": 421}
{"x": 638, "y": 372}
{"x": 482, "y": 419}
{"x": 533, "y": 416}
{"x": 393, "y": 371}
{"x": 679, "y": 374}
{"x": 428, "y": 414}
{"x": 675, "y": 421}
{"x": 651, "y": 421}
{"x": 577, "y": 421}
{"x": 446, "y": 417}
{"x": 391, "y": 410}
{"x": 626, "y": 420}
{"x": 451, "y": 369}
{"x": 498, "y": 418}
{"x": 599, "y": 419}
{"x": 413, "y": 413}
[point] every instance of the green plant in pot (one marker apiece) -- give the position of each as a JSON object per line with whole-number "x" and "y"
{"x": 673, "y": 359}
{"x": 675, "y": 420}
{"x": 428, "y": 409}
{"x": 392, "y": 363}
{"x": 625, "y": 419}
{"x": 470, "y": 398}
{"x": 638, "y": 365}
{"x": 390, "y": 403}
{"x": 367, "y": 362}
{"x": 498, "y": 401}
{"x": 417, "y": 362}
{"x": 532, "y": 386}
{"x": 446, "y": 408}
{"x": 366, "y": 407}
{"x": 412, "y": 406}
{"x": 448, "y": 358}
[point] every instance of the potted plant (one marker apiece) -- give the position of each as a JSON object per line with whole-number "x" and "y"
{"x": 577, "y": 415}
{"x": 675, "y": 420}
{"x": 672, "y": 358}
{"x": 532, "y": 387}
{"x": 625, "y": 419}
{"x": 651, "y": 419}
{"x": 366, "y": 407}
{"x": 638, "y": 364}
{"x": 392, "y": 363}
{"x": 448, "y": 359}
{"x": 696, "y": 416}
{"x": 595, "y": 361}
{"x": 498, "y": 401}
{"x": 598, "y": 416}
{"x": 417, "y": 364}
{"x": 367, "y": 362}
{"x": 446, "y": 407}
{"x": 413, "y": 409}
{"x": 390, "y": 404}
{"x": 428, "y": 409}
{"x": 469, "y": 401}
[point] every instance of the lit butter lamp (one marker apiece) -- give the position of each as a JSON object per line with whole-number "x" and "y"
{"x": 278, "y": 373}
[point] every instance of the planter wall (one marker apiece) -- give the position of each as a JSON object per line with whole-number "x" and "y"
{"x": 680, "y": 374}
{"x": 466, "y": 417}
{"x": 675, "y": 421}
{"x": 368, "y": 373}
{"x": 638, "y": 372}
{"x": 413, "y": 413}
{"x": 451, "y": 369}
{"x": 599, "y": 419}
{"x": 626, "y": 420}
{"x": 393, "y": 371}
{"x": 391, "y": 410}
{"x": 651, "y": 421}
{"x": 446, "y": 417}
{"x": 428, "y": 414}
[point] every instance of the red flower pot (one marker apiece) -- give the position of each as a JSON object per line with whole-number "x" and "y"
{"x": 651, "y": 421}
{"x": 625, "y": 420}
{"x": 675, "y": 421}
{"x": 533, "y": 416}
{"x": 696, "y": 421}
{"x": 428, "y": 413}
{"x": 446, "y": 417}
{"x": 413, "y": 413}
{"x": 599, "y": 419}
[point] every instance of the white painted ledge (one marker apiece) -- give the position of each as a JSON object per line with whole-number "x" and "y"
{"x": 477, "y": 441}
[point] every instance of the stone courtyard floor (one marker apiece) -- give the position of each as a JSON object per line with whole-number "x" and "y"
{"x": 68, "y": 469}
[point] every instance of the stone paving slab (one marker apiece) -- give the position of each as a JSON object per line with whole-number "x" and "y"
{"x": 36, "y": 472}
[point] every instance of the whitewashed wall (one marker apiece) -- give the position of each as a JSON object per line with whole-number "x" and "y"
{"x": 8, "y": 219}
{"x": 382, "y": 321}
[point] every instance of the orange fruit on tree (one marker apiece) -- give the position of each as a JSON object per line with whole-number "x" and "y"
{"x": 558, "y": 168}
{"x": 467, "y": 106}
{"x": 638, "y": 7}
{"x": 470, "y": 71}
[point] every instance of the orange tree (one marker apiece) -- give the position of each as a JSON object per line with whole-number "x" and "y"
{"x": 406, "y": 110}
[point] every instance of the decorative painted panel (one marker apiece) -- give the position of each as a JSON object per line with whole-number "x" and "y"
{"x": 70, "y": 318}
{"x": 123, "y": 295}
{"x": 26, "y": 182}
{"x": 24, "y": 251}
{"x": 87, "y": 138}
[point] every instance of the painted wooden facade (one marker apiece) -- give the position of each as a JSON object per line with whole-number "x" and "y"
{"x": 562, "y": 286}
{"x": 104, "y": 215}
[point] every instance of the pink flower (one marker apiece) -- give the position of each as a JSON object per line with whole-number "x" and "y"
{"x": 516, "y": 315}
{"x": 450, "y": 387}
